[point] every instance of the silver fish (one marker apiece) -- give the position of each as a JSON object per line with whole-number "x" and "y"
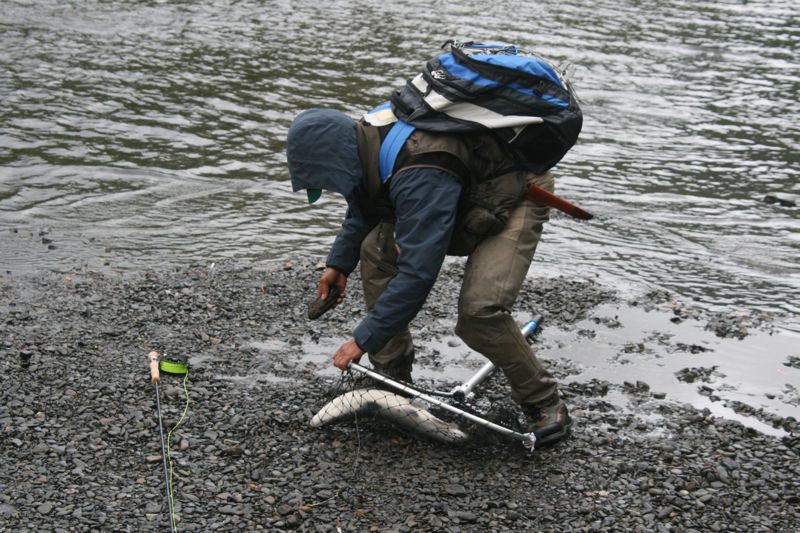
{"x": 391, "y": 407}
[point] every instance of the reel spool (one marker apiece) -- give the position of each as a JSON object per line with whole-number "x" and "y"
{"x": 173, "y": 366}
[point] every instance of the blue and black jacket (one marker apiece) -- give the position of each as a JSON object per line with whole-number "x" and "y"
{"x": 323, "y": 153}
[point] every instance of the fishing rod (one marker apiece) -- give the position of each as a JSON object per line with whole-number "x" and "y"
{"x": 157, "y": 366}
{"x": 155, "y": 378}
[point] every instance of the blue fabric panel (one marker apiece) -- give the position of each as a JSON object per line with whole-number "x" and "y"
{"x": 460, "y": 71}
{"x": 391, "y": 146}
{"x": 546, "y": 97}
{"x": 381, "y": 107}
{"x": 528, "y": 64}
{"x": 489, "y": 46}
{"x": 467, "y": 74}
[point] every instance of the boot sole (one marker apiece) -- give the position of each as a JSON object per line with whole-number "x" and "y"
{"x": 552, "y": 438}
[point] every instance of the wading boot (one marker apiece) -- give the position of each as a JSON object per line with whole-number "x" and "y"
{"x": 548, "y": 420}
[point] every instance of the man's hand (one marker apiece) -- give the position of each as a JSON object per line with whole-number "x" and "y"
{"x": 331, "y": 278}
{"x": 347, "y": 353}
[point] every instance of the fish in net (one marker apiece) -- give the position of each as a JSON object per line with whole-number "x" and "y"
{"x": 393, "y": 407}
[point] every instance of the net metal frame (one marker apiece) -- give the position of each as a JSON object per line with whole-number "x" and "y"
{"x": 407, "y": 406}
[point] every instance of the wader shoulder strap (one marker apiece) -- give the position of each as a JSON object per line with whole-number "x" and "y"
{"x": 369, "y": 140}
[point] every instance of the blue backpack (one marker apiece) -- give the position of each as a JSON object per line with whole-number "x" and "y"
{"x": 472, "y": 86}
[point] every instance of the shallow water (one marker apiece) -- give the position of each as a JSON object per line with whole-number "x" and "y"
{"x": 623, "y": 347}
{"x": 626, "y": 345}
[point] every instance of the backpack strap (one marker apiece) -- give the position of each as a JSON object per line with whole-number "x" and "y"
{"x": 391, "y": 146}
{"x": 393, "y": 143}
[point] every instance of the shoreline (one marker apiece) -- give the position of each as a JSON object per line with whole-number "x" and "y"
{"x": 79, "y": 429}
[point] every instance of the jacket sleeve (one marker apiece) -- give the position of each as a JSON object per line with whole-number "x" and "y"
{"x": 425, "y": 202}
{"x": 346, "y": 249}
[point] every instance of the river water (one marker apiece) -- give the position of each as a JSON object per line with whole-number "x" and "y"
{"x": 141, "y": 134}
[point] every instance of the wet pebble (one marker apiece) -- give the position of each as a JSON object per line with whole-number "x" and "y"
{"x": 45, "y": 508}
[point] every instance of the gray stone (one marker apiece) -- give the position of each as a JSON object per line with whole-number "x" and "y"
{"x": 454, "y": 489}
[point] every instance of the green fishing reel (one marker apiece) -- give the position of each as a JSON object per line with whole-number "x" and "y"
{"x": 169, "y": 365}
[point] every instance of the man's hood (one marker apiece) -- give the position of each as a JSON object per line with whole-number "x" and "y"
{"x": 322, "y": 151}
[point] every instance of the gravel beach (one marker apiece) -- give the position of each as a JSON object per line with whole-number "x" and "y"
{"x": 80, "y": 442}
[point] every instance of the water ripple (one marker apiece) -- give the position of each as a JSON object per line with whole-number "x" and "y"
{"x": 142, "y": 133}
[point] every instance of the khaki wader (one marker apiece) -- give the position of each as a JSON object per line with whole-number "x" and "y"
{"x": 493, "y": 276}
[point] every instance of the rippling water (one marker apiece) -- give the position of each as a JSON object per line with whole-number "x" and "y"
{"x": 141, "y": 134}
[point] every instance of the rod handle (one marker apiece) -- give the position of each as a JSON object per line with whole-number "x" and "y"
{"x": 154, "y": 375}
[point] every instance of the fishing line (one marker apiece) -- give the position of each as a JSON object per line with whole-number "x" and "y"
{"x": 176, "y": 368}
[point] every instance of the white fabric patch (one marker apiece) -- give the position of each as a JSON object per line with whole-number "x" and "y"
{"x": 380, "y": 118}
{"x": 481, "y": 115}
